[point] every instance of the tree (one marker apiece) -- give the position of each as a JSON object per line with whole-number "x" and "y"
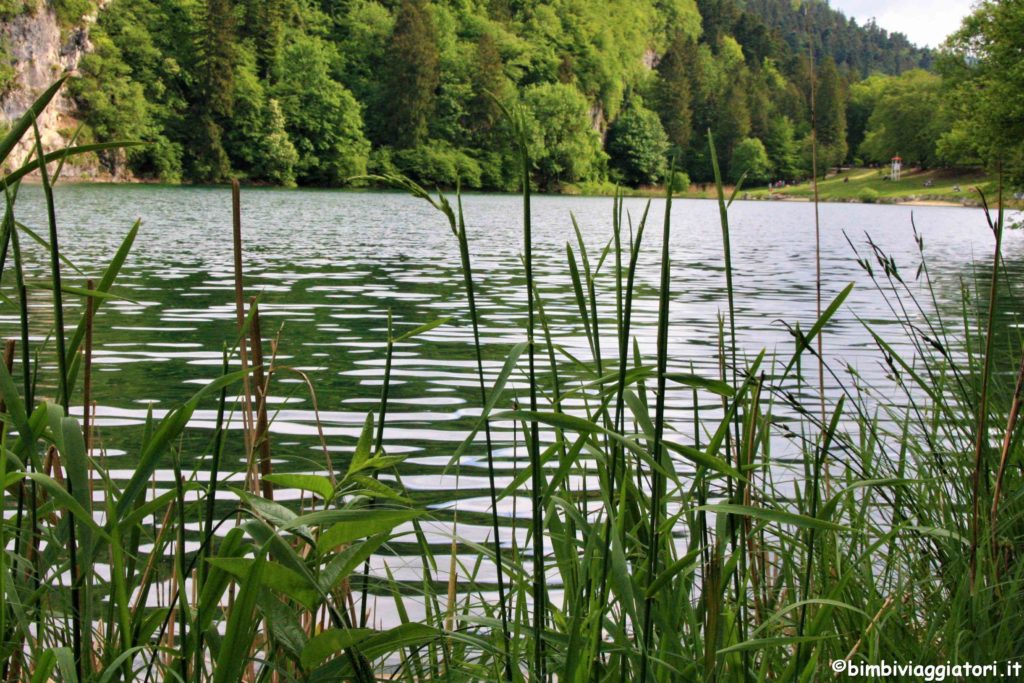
{"x": 782, "y": 148}
{"x": 264, "y": 24}
{"x": 410, "y": 78}
{"x": 859, "y": 106}
{"x": 322, "y": 118}
{"x": 982, "y": 69}
{"x": 749, "y": 157}
{"x": 638, "y": 145}
{"x": 830, "y": 116}
{"x": 672, "y": 91}
{"x": 215, "y": 104}
{"x": 908, "y": 118}
{"x": 565, "y": 148}
{"x": 490, "y": 88}
{"x": 257, "y": 141}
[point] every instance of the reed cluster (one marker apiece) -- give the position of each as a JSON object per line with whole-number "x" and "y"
{"x": 783, "y": 525}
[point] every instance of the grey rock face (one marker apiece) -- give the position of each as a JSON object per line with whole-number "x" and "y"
{"x": 40, "y": 54}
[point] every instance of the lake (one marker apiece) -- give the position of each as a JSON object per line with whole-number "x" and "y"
{"x": 330, "y": 265}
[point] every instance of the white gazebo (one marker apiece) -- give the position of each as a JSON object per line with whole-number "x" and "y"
{"x": 897, "y": 166}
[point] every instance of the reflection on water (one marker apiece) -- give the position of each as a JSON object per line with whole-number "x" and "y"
{"x": 328, "y": 267}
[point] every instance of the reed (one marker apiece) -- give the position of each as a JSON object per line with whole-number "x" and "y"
{"x": 709, "y": 549}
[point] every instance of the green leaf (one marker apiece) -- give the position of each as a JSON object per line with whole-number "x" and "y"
{"x": 238, "y": 636}
{"x": 331, "y": 642}
{"x": 313, "y": 483}
{"x": 764, "y": 644}
{"x": 421, "y": 329}
{"x": 493, "y": 396}
{"x": 804, "y": 342}
{"x": 104, "y": 285}
{"x": 216, "y": 582}
{"x": 364, "y": 446}
{"x": 691, "y": 380}
{"x": 699, "y": 457}
{"x": 65, "y": 500}
{"x": 373, "y": 488}
{"x": 44, "y": 666}
{"x": 351, "y": 525}
{"x": 769, "y": 515}
{"x": 683, "y": 563}
{"x": 274, "y": 576}
{"x": 345, "y": 562}
{"x": 407, "y": 635}
{"x": 16, "y": 408}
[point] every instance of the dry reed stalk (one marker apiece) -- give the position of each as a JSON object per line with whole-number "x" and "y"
{"x": 453, "y": 573}
{"x": 247, "y": 416}
{"x": 90, "y": 313}
{"x": 874, "y": 620}
{"x": 171, "y": 619}
{"x": 748, "y": 500}
{"x": 981, "y": 439}
{"x": 262, "y": 435}
{"x": 1011, "y": 427}
{"x": 151, "y": 561}
{"x": 9, "y": 346}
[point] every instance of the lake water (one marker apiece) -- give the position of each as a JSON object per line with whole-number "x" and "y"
{"x": 330, "y": 265}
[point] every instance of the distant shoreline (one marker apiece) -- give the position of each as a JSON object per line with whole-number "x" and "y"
{"x": 851, "y": 194}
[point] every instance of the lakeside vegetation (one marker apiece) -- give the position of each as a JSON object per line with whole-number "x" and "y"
{"x": 872, "y": 185}
{"x": 859, "y": 185}
{"x": 756, "y": 530}
{"x": 318, "y": 91}
{"x": 754, "y": 523}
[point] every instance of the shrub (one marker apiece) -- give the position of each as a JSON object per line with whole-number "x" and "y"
{"x": 680, "y": 182}
{"x": 868, "y": 195}
{"x": 438, "y": 164}
{"x": 751, "y": 158}
{"x": 638, "y": 145}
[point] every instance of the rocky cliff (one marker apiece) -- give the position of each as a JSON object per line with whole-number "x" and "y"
{"x": 40, "y": 51}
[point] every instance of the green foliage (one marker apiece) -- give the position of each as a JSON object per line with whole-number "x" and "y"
{"x": 204, "y": 582}
{"x": 439, "y": 165}
{"x": 908, "y": 118}
{"x": 672, "y": 89}
{"x": 321, "y": 116}
{"x": 860, "y": 104}
{"x": 409, "y": 79}
{"x": 564, "y": 145}
{"x": 199, "y": 79}
{"x": 750, "y": 158}
{"x": 258, "y": 139}
{"x": 680, "y": 182}
{"x": 782, "y": 148}
{"x": 868, "y": 195}
{"x": 637, "y": 145}
{"x": 830, "y": 116}
{"x": 70, "y": 12}
{"x": 7, "y": 73}
{"x": 117, "y": 105}
{"x": 985, "y": 84}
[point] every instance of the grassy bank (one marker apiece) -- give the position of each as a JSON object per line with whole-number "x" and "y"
{"x": 860, "y": 185}
{"x": 752, "y": 525}
{"x": 868, "y": 185}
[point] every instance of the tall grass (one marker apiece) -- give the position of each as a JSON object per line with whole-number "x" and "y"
{"x": 710, "y": 548}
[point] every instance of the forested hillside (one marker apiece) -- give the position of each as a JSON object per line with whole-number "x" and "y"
{"x": 317, "y": 91}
